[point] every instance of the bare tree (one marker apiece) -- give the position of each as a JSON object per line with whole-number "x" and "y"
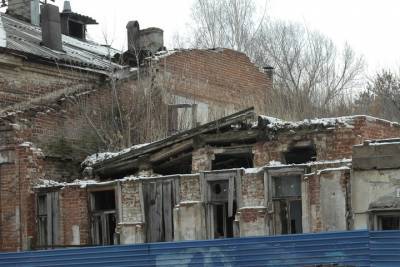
{"x": 312, "y": 76}
{"x": 381, "y": 97}
{"x": 226, "y": 23}
{"x": 310, "y": 72}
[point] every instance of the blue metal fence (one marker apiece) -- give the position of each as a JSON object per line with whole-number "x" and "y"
{"x": 352, "y": 248}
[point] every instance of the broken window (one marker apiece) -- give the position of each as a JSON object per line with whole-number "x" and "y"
{"x": 47, "y": 219}
{"x": 104, "y": 219}
{"x": 285, "y": 191}
{"x": 300, "y": 152}
{"x": 159, "y": 197}
{"x": 221, "y": 204}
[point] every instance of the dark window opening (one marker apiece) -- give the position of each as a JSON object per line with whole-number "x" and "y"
{"x": 182, "y": 164}
{"x": 222, "y": 161}
{"x": 389, "y": 222}
{"x": 104, "y": 200}
{"x": 104, "y": 219}
{"x": 223, "y": 224}
{"x": 299, "y": 155}
{"x": 76, "y": 29}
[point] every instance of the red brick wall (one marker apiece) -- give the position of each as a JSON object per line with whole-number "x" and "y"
{"x": 224, "y": 77}
{"x": 74, "y": 211}
{"x": 16, "y": 198}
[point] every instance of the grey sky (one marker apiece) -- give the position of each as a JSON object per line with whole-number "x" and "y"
{"x": 369, "y": 26}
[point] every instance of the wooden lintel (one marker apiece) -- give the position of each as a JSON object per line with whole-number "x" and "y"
{"x": 233, "y": 150}
{"x": 231, "y": 136}
{"x": 171, "y": 151}
{"x": 175, "y": 161}
{"x": 118, "y": 168}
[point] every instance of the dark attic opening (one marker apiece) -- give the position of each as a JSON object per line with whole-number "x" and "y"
{"x": 76, "y": 29}
{"x": 300, "y": 152}
{"x": 181, "y": 164}
{"x": 223, "y": 161}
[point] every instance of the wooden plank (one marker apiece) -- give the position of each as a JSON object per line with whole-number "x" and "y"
{"x": 218, "y": 176}
{"x": 231, "y": 192}
{"x": 142, "y": 201}
{"x": 176, "y": 190}
{"x": 55, "y": 217}
{"x": 118, "y": 201}
{"x": 231, "y": 136}
{"x": 233, "y": 150}
{"x": 238, "y": 188}
{"x": 266, "y": 190}
{"x": 167, "y": 205}
{"x": 171, "y": 151}
{"x": 49, "y": 219}
{"x": 174, "y": 161}
{"x": 203, "y": 187}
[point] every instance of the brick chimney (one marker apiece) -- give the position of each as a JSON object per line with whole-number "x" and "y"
{"x": 27, "y": 10}
{"x": 133, "y": 30}
{"x": 51, "y": 27}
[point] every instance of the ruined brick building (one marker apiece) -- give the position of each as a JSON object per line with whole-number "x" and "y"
{"x": 242, "y": 175}
{"x": 58, "y": 95}
{"x": 209, "y": 174}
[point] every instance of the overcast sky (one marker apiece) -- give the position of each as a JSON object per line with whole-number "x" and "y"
{"x": 369, "y": 26}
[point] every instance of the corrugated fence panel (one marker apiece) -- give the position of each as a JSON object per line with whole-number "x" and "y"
{"x": 385, "y": 248}
{"x": 350, "y": 248}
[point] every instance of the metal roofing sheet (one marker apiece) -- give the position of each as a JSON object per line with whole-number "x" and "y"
{"x": 24, "y": 37}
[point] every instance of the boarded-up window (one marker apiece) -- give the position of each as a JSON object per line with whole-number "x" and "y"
{"x": 47, "y": 219}
{"x": 159, "y": 198}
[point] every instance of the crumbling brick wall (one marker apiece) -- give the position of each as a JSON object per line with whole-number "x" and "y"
{"x": 331, "y": 143}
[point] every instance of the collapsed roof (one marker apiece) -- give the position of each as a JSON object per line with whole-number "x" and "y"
{"x": 241, "y": 128}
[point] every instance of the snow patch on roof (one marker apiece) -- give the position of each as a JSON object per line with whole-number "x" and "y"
{"x": 3, "y": 36}
{"x": 346, "y": 121}
{"x": 99, "y": 157}
{"x": 274, "y": 123}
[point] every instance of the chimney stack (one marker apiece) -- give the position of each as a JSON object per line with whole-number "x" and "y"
{"x": 67, "y": 7}
{"x": 133, "y": 30}
{"x": 27, "y": 10}
{"x": 51, "y": 27}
